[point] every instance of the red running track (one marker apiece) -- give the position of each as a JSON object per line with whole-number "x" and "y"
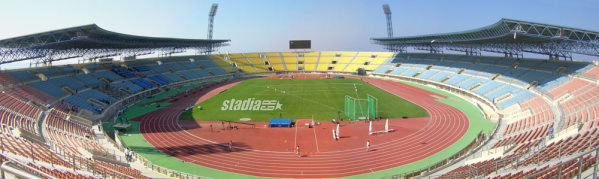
{"x": 444, "y": 127}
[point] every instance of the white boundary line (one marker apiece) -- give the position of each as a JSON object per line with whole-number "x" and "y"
{"x": 295, "y": 139}
{"x": 315, "y": 139}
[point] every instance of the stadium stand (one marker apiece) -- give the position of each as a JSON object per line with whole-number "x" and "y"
{"x": 528, "y": 85}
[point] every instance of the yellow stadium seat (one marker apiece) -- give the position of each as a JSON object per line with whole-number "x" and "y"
{"x": 256, "y": 61}
{"x": 274, "y": 60}
{"x": 322, "y": 67}
{"x": 366, "y": 54}
{"x": 352, "y": 67}
{"x": 289, "y": 54}
{"x": 325, "y": 60}
{"x": 327, "y": 54}
{"x": 248, "y": 69}
{"x": 348, "y": 54}
{"x": 310, "y": 59}
{"x": 272, "y": 54}
{"x": 311, "y": 54}
{"x": 371, "y": 67}
{"x": 240, "y": 61}
{"x": 344, "y": 59}
{"x": 379, "y": 61}
{"x": 229, "y": 68}
{"x": 359, "y": 60}
{"x": 291, "y": 67}
{"x": 278, "y": 67}
{"x": 236, "y": 55}
{"x": 290, "y": 60}
{"x": 309, "y": 67}
{"x": 261, "y": 68}
{"x": 339, "y": 67}
{"x": 252, "y": 55}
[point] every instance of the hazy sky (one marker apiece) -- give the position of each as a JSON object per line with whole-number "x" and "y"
{"x": 261, "y": 25}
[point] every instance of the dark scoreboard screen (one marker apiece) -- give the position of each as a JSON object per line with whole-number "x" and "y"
{"x": 300, "y": 44}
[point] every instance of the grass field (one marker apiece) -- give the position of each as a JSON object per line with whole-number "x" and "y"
{"x": 135, "y": 140}
{"x": 321, "y": 99}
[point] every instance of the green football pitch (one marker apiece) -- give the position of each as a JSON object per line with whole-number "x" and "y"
{"x": 320, "y": 99}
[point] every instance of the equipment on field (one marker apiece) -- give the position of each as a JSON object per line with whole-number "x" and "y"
{"x": 361, "y": 109}
{"x": 387, "y": 130}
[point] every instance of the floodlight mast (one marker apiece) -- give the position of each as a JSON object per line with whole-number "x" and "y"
{"x": 211, "y": 22}
{"x": 211, "y": 19}
{"x": 387, "y": 11}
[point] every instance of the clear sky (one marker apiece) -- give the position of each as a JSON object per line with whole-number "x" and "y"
{"x": 268, "y": 25}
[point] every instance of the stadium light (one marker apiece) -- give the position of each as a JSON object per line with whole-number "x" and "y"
{"x": 211, "y": 22}
{"x": 213, "y": 9}
{"x": 387, "y": 11}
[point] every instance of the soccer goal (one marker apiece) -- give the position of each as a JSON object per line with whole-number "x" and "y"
{"x": 357, "y": 109}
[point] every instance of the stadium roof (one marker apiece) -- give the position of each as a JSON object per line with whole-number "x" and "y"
{"x": 506, "y": 36}
{"x": 91, "y": 41}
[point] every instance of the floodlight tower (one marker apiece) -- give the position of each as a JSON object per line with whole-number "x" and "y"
{"x": 210, "y": 23}
{"x": 387, "y": 11}
{"x": 211, "y": 19}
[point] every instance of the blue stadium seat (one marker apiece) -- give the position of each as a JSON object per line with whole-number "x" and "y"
{"x": 143, "y": 83}
{"x": 487, "y": 86}
{"x": 217, "y": 71}
{"x": 23, "y": 75}
{"x": 382, "y": 69}
{"x": 126, "y": 85}
{"x": 159, "y": 79}
{"x": 66, "y": 81}
{"x": 48, "y": 88}
{"x": 427, "y": 74}
{"x": 456, "y": 79}
{"x": 124, "y": 72}
{"x": 172, "y": 77}
{"x": 88, "y": 79}
{"x": 108, "y": 75}
{"x": 471, "y": 82}
{"x": 440, "y": 76}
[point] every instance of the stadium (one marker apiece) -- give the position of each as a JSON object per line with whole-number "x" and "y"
{"x": 506, "y": 100}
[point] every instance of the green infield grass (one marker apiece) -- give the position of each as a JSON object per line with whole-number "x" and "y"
{"x": 320, "y": 99}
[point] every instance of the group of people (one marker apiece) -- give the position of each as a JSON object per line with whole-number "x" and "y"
{"x": 128, "y": 154}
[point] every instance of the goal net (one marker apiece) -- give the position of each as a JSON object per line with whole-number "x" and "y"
{"x": 365, "y": 109}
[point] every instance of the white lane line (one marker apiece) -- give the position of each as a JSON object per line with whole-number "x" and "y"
{"x": 315, "y": 139}
{"x": 295, "y": 138}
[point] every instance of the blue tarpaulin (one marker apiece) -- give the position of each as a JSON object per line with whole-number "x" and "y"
{"x": 279, "y": 123}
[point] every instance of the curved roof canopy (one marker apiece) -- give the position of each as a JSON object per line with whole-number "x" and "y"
{"x": 506, "y": 36}
{"x": 91, "y": 41}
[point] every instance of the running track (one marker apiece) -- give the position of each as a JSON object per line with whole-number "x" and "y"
{"x": 444, "y": 127}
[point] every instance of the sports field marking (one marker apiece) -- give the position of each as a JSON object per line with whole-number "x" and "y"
{"x": 312, "y": 101}
{"x": 315, "y": 138}
{"x": 313, "y": 84}
{"x": 295, "y": 138}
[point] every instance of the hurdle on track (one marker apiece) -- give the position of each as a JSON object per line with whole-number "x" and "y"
{"x": 370, "y": 132}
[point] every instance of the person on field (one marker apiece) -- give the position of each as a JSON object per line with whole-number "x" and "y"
{"x": 367, "y": 145}
{"x": 230, "y": 145}
{"x": 297, "y": 149}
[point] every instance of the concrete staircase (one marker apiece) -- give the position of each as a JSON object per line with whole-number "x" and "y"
{"x": 113, "y": 149}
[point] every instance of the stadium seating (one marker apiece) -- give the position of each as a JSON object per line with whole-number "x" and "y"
{"x": 160, "y": 79}
{"x": 88, "y": 80}
{"x": 48, "y": 88}
{"x": 124, "y": 72}
{"x": 127, "y": 86}
{"x": 534, "y": 87}
{"x": 108, "y": 75}
{"x": 143, "y": 83}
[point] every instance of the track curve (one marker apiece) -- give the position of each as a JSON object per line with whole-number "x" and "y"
{"x": 444, "y": 126}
